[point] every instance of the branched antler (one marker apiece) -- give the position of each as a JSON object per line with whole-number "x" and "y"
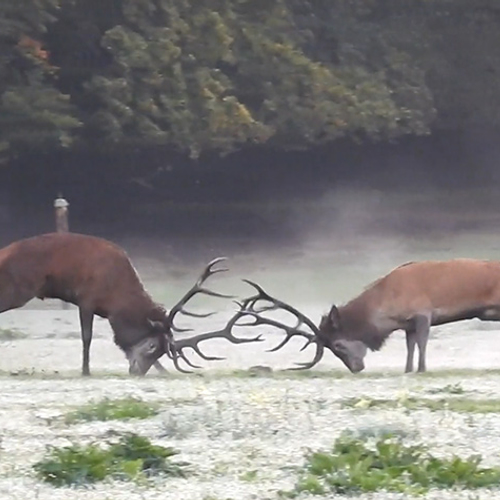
{"x": 192, "y": 342}
{"x": 175, "y": 352}
{"x": 197, "y": 288}
{"x": 250, "y": 307}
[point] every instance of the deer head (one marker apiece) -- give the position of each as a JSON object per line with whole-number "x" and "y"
{"x": 332, "y": 334}
{"x": 329, "y": 334}
{"x": 161, "y": 327}
{"x": 158, "y": 340}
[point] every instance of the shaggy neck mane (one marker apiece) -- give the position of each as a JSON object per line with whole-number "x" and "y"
{"x": 356, "y": 321}
{"x": 131, "y": 324}
{"x": 357, "y": 316}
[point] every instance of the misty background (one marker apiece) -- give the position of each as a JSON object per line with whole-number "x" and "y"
{"x": 315, "y": 144}
{"x": 315, "y": 226}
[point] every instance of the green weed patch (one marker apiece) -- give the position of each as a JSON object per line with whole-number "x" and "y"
{"x": 448, "y": 389}
{"x": 9, "y": 334}
{"x": 387, "y": 464}
{"x": 131, "y": 458}
{"x": 464, "y": 405}
{"x": 112, "y": 409}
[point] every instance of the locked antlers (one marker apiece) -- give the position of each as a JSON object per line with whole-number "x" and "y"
{"x": 261, "y": 303}
{"x": 177, "y": 349}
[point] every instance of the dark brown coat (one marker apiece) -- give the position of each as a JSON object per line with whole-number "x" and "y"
{"x": 95, "y": 275}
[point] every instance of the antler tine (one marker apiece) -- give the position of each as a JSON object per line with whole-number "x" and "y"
{"x": 182, "y": 356}
{"x": 226, "y": 333}
{"x": 250, "y": 302}
{"x": 290, "y": 331}
{"x": 174, "y": 355}
{"x": 198, "y": 288}
{"x": 202, "y": 315}
{"x": 249, "y": 307}
{"x": 178, "y": 329}
{"x": 262, "y": 293}
{"x": 208, "y": 271}
{"x": 320, "y": 349}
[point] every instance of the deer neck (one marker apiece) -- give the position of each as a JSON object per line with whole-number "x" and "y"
{"x": 130, "y": 324}
{"x": 358, "y": 323}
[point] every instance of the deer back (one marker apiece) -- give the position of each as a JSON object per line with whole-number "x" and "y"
{"x": 85, "y": 270}
{"x": 436, "y": 287}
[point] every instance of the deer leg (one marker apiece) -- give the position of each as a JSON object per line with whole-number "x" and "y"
{"x": 411, "y": 341}
{"x": 86, "y": 322}
{"x": 422, "y": 329}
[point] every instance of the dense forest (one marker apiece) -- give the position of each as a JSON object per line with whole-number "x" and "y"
{"x": 213, "y": 77}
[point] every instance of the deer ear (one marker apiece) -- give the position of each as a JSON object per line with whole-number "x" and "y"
{"x": 156, "y": 326}
{"x": 334, "y": 318}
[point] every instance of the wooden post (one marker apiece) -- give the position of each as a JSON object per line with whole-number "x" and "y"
{"x": 61, "y": 209}
{"x": 62, "y": 226}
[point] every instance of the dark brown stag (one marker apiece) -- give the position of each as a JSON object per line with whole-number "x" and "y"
{"x": 412, "y": 297}
{"x": 98, "y": 277}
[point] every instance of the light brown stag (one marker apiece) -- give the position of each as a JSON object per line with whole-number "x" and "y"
{"x": 412, "y": 297}
{"x": 98, "y": 277}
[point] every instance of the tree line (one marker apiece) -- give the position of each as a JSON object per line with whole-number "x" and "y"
{"x": 220, "y": 75}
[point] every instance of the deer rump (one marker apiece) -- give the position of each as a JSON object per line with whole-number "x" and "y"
{"x": 412, "y": 297}
{"x": 98, "y": 277}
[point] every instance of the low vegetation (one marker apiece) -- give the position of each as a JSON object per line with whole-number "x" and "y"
{"x": 459, "y": 404}
{"x": 448, "y": 389}
{"x": 132, "y": 457}
{"x": 353, "y": 466}
{"x": 113, "y": 409}
{"x": 8, "y": 334}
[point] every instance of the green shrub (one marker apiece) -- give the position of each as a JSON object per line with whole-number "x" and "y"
{"x": 448, "y": 389}
{"x": 132, "y": 457}
{"x": 113, "y": 409}
{"x": 458, "y": 404}
{"x": 353, "y": 467}
{"x": 8, "y": 334}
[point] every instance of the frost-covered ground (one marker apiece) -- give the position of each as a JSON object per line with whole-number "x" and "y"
{"x": 244, "y": 436}
{"x": 228, "y": 426}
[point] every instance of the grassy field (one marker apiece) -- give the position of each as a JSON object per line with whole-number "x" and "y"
{"x": 244, "y": 435}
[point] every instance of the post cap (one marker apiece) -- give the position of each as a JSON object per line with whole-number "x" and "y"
{"x": 60, "y": 202}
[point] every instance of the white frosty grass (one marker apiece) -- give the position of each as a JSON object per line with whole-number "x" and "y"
{"x": 243, "y": 436}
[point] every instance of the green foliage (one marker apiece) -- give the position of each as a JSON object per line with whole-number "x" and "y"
{"x": 131, "y": 458}
{"x": 36, "y": 115}
{"x": 448, "y": 389}
{"x": 219, "y": 75}
{"x": 464, "y": 405}
{"x": 113, "y": 409}
{"x": 33, "y": 112}
{"x": 388, "y": 464}
{"x": 249, "y": 476}
{"x": 210, "y": 497}
{"x": 8, "y": 334}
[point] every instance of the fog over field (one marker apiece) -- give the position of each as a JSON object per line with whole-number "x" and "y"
{"x": 310, "y": 252}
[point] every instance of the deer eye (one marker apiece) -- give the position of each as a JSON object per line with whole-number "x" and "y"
{"x": 337, "y": 346}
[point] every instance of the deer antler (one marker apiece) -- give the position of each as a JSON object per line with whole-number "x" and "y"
{"x": 192, "y": 342}
{"x": 175, "y": 350}
{"x": 197, "y": 288}
{"x": 249, "y": 307}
